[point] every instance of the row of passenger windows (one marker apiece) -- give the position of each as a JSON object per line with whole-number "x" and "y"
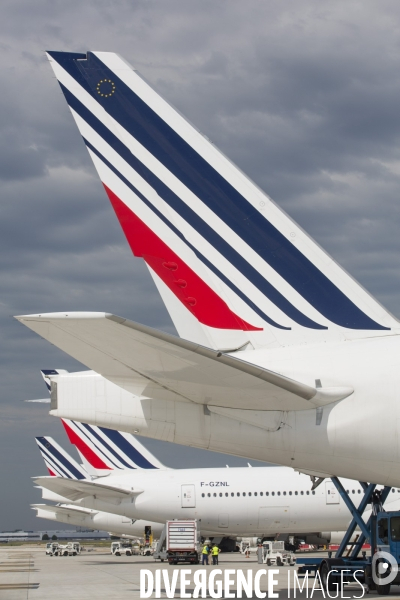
{"x": 359, "y": 491}
{"x": 256, "y": 494}
{"x": 301, "y": 493}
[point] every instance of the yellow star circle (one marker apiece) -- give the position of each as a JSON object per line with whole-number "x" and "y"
{"x": 105, "y": 85}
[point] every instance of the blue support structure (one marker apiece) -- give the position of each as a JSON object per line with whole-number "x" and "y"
{"x": 356, "y": 513}
{"x": 354, "y": 567}
{"x": 360, "y": 542}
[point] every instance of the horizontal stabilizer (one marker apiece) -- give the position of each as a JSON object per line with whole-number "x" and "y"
{"x": 157, "y": 365}
{"x": 65, "y": 510}
{"x": 77, "y": 490}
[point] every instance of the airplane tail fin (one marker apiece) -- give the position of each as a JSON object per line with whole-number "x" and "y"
{"x": 233, "y": 269}
{"x": 46, "y": 374}
{"x": 104, "y": 450}
{"x": 58, "y": 462}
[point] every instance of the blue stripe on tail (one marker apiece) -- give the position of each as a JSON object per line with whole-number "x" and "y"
{"x": 217, "y": 193}
{"x": 50, "y": 451}
{"x": 121, "y": 442}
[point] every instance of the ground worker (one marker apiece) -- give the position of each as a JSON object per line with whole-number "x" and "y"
{"x": 205, "y": 552}
{"x": 215, "y": 552}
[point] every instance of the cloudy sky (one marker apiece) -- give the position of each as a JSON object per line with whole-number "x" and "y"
{"x": 302, "y": 95}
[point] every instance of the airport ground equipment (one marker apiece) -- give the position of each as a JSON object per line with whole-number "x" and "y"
{"x": 274, "y": 553}
{"x": 52, "y": 548}
{"x": 122, "y": 547}
{"x": 148, "y": 547}
{"x": 179, "y": 542}
{"x": 70, "y": 549}
{"x": 381, "y": 530}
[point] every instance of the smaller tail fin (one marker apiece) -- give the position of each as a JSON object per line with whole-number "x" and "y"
{"x": 105, "y": 450}
{"x": 58, "y": 462}
{"x": 46, "y": 374}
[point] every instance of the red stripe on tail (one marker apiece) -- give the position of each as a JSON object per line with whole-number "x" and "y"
{"x": 87, "y": 452}
{"x": 191, "y": 290}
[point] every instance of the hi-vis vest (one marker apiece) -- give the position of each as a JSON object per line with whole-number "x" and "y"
{"x": 205, "y": 550}
{"x": 215, "y": 551}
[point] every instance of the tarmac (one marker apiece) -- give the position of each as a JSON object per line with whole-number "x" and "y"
{"x": 27, "y": 573}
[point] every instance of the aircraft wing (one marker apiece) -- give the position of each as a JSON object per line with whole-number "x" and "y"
{"x": 157, "y": 365}
{"x": 75, "y": 490}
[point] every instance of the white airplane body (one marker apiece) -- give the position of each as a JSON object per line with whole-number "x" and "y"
{"x": 284, "y": 357}
{"x": 260, "y": 501}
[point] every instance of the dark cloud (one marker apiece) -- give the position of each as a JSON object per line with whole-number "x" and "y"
{"x": 302, "y": 95}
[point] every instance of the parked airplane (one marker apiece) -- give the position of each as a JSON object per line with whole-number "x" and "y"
{"x": 285, "y": 357}
{"x": 60, "y": 464}
{"x": 262, "y": 501}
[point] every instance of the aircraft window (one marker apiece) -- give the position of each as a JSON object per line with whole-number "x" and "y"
{"x": 359, "y": 491}
{"x": 209, "y": 495}
{"x": 313, "y": 492}
{"x": 249, "y": 493}
{"x": 255, "y": 493}
{"x": 237, "y": 493}
{"x": 202, "y": 495}
{"x": 296, "y": 493}
{"x": 244, "y": 493}
{"x": 232, "y": 494}
{"x": 272, "y": 493}
{"x": 352, "y": 491}
{"x": 392, "y": 490}
{"x": 226, "y": 494}
{"x": 308, "y": 493}
{"x": 267, "y": 493}
{"x": 220, "y": 494}
{"x": 215, "y": 495}
{"x": 284, "y": 493}
{"x": 348, "y": 491}
{"x": 278, "y": 493}
{"x": 261, "y": 493}
{"x": 301, "y": 492}
{"x": 290, "y": 493}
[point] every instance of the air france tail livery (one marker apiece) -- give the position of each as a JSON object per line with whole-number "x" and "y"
{"x": 281, "y": 351}
{"x": 60, "y": 464}
{"x": 103, "y": 450}
{"x": 57, "y": 461}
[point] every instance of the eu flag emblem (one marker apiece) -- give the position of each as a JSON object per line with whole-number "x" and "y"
{"x": 105, "y": 88}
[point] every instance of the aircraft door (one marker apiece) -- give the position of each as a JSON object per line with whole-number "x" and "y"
{"x": 331, "y": 493}
{"x": 188, "y": 496}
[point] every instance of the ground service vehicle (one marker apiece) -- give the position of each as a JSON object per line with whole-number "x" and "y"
{"x": 52, "y": 548}
{"x": 70, "y": 549}
{"x": 120, "y": 548}
{"x": 274, "y": 553}
{"x": 378, "y": 571}
{"x": 179, "y": 542}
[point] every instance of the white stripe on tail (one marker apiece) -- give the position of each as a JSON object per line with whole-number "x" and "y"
{"x": 232, "y": 268}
